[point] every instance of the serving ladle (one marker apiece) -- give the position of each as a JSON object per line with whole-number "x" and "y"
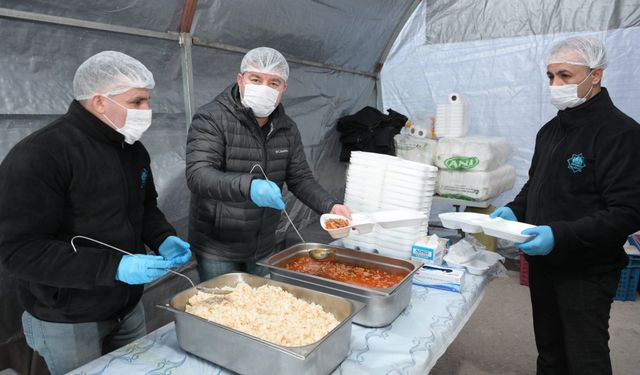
{"x": 322, "y": 253}
{"x": 214, "y": 291}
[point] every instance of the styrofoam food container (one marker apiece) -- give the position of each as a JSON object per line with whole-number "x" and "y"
{"x": 473, "y": 225}
{"x": 506, "y": 229}
{"x": 479, "y": 264}
{"x": 397, "y": 218}
{"x": 413, "y": 165}
{"x": 454, "y": 220}
{"x": 362, "y": 223}
{"x": 335, "y": 233}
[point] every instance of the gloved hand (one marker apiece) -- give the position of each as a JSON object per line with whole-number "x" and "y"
{"x": 142, "y": 268}
{"x": 541, "y": 244}
{"x": 266, "y": 194}
{"x": 175, "y": 249}
{"x": 505, "y": 213}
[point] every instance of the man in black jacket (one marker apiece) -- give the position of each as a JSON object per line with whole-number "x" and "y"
{"x": 243, "y": 132}
{"x": 583, "y": 195}
{"x": 86, "y": 174}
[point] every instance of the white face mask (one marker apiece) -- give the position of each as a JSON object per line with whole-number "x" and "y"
{"x": 260, "y": 98}
{"x": 135, "y": 124}
{"x": 566, "y": 96}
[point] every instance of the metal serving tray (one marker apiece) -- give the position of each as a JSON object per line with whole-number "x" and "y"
{"x": 383, "y": 304}
{"x": 246, "y": 354}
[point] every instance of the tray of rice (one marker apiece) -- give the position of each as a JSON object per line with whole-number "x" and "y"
{"x": 264, "y": 326}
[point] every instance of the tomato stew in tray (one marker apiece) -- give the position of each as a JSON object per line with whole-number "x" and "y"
{"x": 368, "y": 277}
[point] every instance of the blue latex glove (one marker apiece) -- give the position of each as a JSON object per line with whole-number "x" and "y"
{"x": 142, "y": 268}
{"x": 541, "y": 244}
{"x": 505, "y": 213}
{"x": 266, "y": 194}
{"x": 175, "y": 249}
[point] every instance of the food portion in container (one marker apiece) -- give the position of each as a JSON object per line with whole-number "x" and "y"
{"x": 366, "y": 276}
{"x": 335, "y": 223}
{"x": 267, "y": 312}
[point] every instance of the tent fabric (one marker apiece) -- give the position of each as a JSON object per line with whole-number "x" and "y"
{"x": 503, "y": 80}
{"x": 350, "y": 34}
{"x": 163, "y": 15}
{"x": 452, "y": 21}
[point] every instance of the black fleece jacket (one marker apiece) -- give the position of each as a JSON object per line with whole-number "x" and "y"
{"x": 584, "y": 183}
{"x": 76, "y": 176}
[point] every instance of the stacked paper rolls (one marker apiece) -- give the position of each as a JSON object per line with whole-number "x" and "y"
{"x": 452, "y": 118}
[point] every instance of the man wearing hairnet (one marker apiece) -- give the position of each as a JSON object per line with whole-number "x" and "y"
{"x": 582, "y": 194}
{"x": 243, "y": 133}
{"x": 86, "y": 174}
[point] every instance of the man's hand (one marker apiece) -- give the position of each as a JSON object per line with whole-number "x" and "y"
{"x": 142, "y": 268}
{"x": 175, "y": 249}
{"x": 266, "y": 194}
{"x": 505, "y": 213}
{"x": 340, "y": 209}
{"x": 541, "y": 244}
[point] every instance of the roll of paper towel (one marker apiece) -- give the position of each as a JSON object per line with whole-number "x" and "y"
{"x": 419, "y": 132}
{"x": 455, "y": 98}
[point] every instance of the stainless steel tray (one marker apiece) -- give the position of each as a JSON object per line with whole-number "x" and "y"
{"x": 383, "y": 304}
{"x": 246, "y": 354}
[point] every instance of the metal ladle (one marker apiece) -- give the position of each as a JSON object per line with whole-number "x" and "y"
{"x": 319, "y": 254}
{"x": 214, "y": 291}
{"x": 322, "y": 253}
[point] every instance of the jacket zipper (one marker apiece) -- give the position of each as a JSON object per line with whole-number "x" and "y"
{"x": 127, "y": 201}
{"x": 542, "y": 183}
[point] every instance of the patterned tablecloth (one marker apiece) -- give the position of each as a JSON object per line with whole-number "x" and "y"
{"x": 410, "y": 345}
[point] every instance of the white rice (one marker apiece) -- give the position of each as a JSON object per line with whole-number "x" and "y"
{"x": 267, "y": 312}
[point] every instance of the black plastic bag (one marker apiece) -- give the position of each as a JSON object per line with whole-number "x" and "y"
{"x": 369, "y": 130}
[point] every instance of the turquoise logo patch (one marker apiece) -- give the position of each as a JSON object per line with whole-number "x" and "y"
{"x": 144, "y": 175}
{"x": 576, "y": 163}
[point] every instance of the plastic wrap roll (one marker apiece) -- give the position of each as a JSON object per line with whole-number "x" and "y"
{"x": 455, "y": 98}
{"x": 419, "y": 132}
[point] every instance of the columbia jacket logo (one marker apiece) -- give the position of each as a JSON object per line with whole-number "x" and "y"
{"x": 576, "y": 163}
{"x": 281, "y": 151}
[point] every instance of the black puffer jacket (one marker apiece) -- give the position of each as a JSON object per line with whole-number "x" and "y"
{"x": 76, "y": 176}
{"x": 584, "y": 183}
{"x": 223, "y": 145}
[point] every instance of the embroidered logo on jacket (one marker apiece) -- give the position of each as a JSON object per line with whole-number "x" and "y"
{"x": 576, "y": 163}
{"x": 144, "y": 175}
{"x": 281, "y": 151}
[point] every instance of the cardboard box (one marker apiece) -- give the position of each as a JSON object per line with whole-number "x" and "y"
{"x": 445, "y": 278}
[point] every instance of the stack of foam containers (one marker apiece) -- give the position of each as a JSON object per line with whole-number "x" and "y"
{"x": 378, "y": 182}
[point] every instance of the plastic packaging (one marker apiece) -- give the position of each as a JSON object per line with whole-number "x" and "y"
{"x": 472, "y": 153}
{"x": 421, "y": 150}
{"x": 478, "y": 186}
{"x": 437, "y": 277}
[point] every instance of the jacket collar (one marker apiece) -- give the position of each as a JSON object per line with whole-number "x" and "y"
{"x": 586, "y": 112}
{"x": 230, "y": 98}
{"x": 84, "y": 120}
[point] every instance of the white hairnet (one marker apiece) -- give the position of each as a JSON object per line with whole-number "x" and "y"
{"x": 265, "y": 60}
{"x": 110, "y": 73}
{"x": 579, "y": 50}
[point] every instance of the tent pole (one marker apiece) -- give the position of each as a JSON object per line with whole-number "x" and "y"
{"x": 290, "y": 59}
{"x": 387, "y": 48}
{"x": 187, "y": 76}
